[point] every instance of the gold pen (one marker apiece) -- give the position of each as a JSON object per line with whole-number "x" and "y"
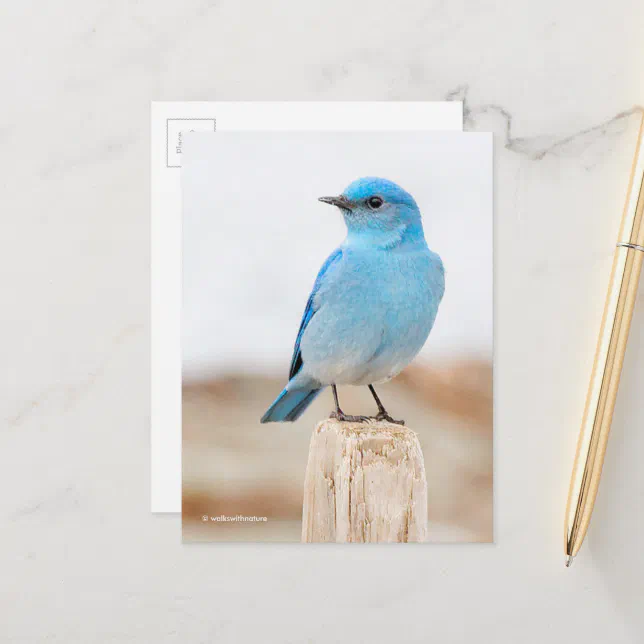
{"x": 609, "y": 357}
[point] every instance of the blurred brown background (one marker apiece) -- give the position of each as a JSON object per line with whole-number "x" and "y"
{"x": 232, "y": 465}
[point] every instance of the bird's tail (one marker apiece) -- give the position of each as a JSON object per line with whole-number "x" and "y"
{"x": 290, "y": 405}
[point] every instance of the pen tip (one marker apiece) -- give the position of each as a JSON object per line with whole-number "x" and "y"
{"x": 569, "y": 561}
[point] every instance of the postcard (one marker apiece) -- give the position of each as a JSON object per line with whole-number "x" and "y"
{"x": 336, "y": 336}
{"x": 169, "y": 122}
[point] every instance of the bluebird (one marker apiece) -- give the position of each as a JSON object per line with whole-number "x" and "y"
{"x": 373, "y": 302}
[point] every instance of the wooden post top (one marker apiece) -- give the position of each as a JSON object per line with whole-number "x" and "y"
{"x": 365, "y": 482}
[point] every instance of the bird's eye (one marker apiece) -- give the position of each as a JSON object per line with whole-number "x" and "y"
{"x": 374, "y": 202}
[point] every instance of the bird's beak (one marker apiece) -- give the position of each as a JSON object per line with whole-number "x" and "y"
{"x": 340, "y": 202}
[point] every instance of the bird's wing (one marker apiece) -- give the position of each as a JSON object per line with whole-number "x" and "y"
{"x": 309, "y": 311}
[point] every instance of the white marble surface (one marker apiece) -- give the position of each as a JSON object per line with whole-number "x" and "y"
{"x": 82, "y": 559}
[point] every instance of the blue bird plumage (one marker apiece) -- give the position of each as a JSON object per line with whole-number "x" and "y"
{"x": 373, "y": 302}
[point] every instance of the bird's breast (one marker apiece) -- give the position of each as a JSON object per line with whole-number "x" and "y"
{"x": 373, "y": 316}
{"x": 404, "y": 278}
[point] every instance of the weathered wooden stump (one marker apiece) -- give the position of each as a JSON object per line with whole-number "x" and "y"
{"x": 365, "y": 482}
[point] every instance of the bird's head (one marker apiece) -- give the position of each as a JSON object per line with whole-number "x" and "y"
{"x": 378, "y": 212}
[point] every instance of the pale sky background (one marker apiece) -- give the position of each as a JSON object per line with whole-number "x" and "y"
{"x": 255, "y": 236}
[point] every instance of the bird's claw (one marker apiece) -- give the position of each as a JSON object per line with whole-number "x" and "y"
{"x": 342, "y": 417}
{"x": 389, "y": 419}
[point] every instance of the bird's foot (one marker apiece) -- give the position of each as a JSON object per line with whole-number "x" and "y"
{"x": 383, "y": 415}
{"x": 342, "y": 417}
